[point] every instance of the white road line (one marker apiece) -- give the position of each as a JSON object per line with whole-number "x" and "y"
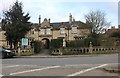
{"x": 80, "y": 64}
{"x": 10, "y": 66}
{"x": 34, "y": 70}
{"x": 86, "y": 70}
{"x": 28, "y": 65}
{"x": 16, "y": 66}
{"x": 1, "y": 75}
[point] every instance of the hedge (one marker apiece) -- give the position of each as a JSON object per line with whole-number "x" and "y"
{"x": 36, "y": 46}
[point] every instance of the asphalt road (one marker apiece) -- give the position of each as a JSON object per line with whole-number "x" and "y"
{"x": 97, "y": 59}
{"x": 72, "y": 66}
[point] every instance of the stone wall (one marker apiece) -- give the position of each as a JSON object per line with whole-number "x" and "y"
{"x": 24, "y": 52}
{"x": 86, "y": 50}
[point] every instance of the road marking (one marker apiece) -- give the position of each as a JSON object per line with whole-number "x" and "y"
{"x": 34, "y": 70}
{"x": 28, "y": 65}
{"x": 86, "y": 70}
{"x": 17, "y": 66}
{"x": 1, "y": 75}
{"x": 79, "y": 64}
{"x": 11, "y": 66}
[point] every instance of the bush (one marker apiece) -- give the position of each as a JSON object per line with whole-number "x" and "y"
{"x": 82, "y": 43}
{"x": 94, "y": 38}
{"x": 115, "y": 34}
{"x": 76, "y": 43}
{"x": 56, "y": 43}
{"x": 88, "y": 40}
{"x": 37, "y": 46}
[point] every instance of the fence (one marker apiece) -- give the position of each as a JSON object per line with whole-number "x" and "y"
{"x": 24, "y": 52}
{"x": 87, "y": 50}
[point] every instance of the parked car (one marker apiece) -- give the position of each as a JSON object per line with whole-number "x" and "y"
{"x": 6, "y": 53}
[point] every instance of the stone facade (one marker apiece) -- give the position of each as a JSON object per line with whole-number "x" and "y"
{"x": 45, "y": 31}
{"x": 3, "y": 41}
{"x": 71, "y": 30}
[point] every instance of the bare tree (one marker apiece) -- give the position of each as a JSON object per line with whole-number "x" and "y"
{"x": 97, "y": 20}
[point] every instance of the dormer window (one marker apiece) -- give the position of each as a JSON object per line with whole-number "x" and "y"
{"x": 74, "y": 30}
{"x": 62, "y": 30}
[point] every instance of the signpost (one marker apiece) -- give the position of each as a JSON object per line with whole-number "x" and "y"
{"x": 24, "y": 41}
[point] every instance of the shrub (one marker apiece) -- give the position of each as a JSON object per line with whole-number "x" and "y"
{"x": 76, "y": 43}
{"x": 36, "y": 46}
{"x": 56, "y": 43}
{"x": 88, "y": 40}
{"x": 115, "y": 34}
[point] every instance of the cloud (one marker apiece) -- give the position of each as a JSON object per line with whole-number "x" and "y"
{"x": 58, "y": 10}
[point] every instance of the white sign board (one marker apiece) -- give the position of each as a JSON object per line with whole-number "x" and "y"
{"x": 24, "y": 41}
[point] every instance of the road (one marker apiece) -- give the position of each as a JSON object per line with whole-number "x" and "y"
{"x": 72, "y": 66}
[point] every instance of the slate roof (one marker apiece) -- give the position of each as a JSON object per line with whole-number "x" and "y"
{"x": 57, "y": 25}
{"x": 67, "y": 24}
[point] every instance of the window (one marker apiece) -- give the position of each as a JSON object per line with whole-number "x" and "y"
{"x": 74, "y": 30}
{"x": 48, "y": 31}
{"x": 32, "y": 31}
{"x": 42, "y": 31}
{"x": 62, "y": 30}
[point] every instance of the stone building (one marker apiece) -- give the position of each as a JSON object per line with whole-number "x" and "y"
{"x": 70, "y": 30}
{"x": 3, "y": 41}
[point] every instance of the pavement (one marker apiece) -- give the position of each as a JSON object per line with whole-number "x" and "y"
{"x": 112, "y": 68}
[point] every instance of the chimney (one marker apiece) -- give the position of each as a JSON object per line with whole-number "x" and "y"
{"x": 39, "y": 19}
{"x": 49, "y": 20}
{"x": 70, "y": 18}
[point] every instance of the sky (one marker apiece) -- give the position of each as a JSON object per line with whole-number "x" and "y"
{"x": 59, "y": 10}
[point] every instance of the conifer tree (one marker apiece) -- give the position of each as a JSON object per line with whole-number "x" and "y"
{"x": 16, "y": 23}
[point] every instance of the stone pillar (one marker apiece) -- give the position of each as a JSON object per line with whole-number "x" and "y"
{"x": 64, "y": 43}
{"x": 19, "y": 52}
{"x": 90, "y": 48}
{"x": 19, "y": 49}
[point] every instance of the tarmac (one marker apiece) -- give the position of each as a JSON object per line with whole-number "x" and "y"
{"x": 114, "y": 68}
{"x": 59, "y": 56}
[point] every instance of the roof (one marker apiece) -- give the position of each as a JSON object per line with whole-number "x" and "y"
{"x": 57, "y": 25}
{"x": 67, "y": 24}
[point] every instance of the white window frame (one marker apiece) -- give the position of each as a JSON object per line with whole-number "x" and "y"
{"x": 48, "y": 31}
{"x": 74, "y": 30}
{"x": 62, "y": 30}
{"x": 42, "y": 31}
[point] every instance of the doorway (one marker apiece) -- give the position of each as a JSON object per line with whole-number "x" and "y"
{"x": 45, "y": 43}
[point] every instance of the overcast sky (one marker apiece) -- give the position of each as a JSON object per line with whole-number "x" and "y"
{"x": 58, "y": 11}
